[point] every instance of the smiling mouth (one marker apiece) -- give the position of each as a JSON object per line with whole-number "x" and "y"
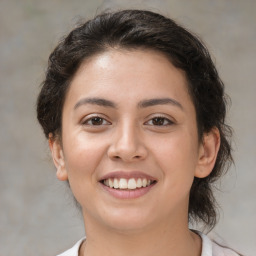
{"x": 127, "y": 184}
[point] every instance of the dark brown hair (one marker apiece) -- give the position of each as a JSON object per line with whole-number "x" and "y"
{"x": 138, "y": 29}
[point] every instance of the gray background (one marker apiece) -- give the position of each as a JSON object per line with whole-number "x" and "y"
{"x": 37, "y": 215}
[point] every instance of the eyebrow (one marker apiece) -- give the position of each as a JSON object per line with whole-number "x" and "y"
{"x": 159, "y": 101}
{"x": 95, "y": 101}
{"x": 142, "y": 104}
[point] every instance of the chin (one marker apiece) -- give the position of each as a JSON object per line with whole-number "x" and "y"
{"x": 128, "y": 221}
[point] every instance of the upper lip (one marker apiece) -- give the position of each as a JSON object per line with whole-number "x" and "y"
{"x": 127, "y": 175}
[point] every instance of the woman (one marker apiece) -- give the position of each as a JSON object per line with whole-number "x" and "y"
{"x": 134, "y": 111}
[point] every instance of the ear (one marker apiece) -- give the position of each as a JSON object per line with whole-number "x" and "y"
{"x": 208, "y": 152}
{"x": 58, "y": 158}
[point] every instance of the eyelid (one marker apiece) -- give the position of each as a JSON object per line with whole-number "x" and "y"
{"x": 91, "y": 116}
{"x": 170, "y": 120}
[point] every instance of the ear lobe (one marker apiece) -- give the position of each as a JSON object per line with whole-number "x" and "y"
{"x": 58, "y": 158}
{"x": 208, "y": 152}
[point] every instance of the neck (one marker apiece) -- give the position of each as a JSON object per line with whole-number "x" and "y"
{"x": 160, "y": 240}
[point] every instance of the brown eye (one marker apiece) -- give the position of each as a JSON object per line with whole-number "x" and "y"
{"x": 159, "y": 121}
{"x": 95, "y": 121}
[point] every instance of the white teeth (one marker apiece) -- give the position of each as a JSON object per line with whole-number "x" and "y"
{"x": 132, "y": 184}
{"x": 123, "y": 184}
{"x": 111, "y": 184}
{"x": 144, "y": 182}
{"x": 116, "y": 183}
{"x": 127, "y": 183}
{"x": 139, "y": 183}
{"x": 106, "y": 182}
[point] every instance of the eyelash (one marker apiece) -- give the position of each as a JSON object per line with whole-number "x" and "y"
{"x": 93, "y": 118}
{"x": 163, "y": 121}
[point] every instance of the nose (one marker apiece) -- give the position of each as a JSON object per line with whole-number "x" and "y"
{"x": 127, "y": 144}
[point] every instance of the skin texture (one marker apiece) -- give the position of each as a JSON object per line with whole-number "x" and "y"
{"x": 128, "y": 137}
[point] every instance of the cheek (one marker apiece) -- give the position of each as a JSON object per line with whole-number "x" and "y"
{"x": 83, "y": 155}
{"x": 82, "y": 158}
{"x": 179, "y": 146}
{"x": 177, "y": 154}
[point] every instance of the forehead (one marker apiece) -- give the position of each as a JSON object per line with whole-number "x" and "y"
{"x": 119, "y": 73}
{"x": 129, "y": 60}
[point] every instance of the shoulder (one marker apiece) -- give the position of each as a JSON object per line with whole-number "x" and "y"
{"x": 212, "y": 248}
{"x": 220, "y": 250}
{"x": 74, "y": 250}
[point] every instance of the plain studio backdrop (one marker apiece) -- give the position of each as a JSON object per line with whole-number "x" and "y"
{"x": 37, "y": 213}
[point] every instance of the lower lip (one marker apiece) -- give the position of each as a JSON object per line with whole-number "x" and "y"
{"x": 127, "y": 194}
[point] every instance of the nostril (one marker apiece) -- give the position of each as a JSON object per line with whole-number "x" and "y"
{"x": 119, "y": 152}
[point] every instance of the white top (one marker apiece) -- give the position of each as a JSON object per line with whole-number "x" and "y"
{"x": 209, "y": 248}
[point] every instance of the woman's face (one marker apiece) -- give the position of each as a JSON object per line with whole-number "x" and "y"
{"x": 129, "y": 122}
